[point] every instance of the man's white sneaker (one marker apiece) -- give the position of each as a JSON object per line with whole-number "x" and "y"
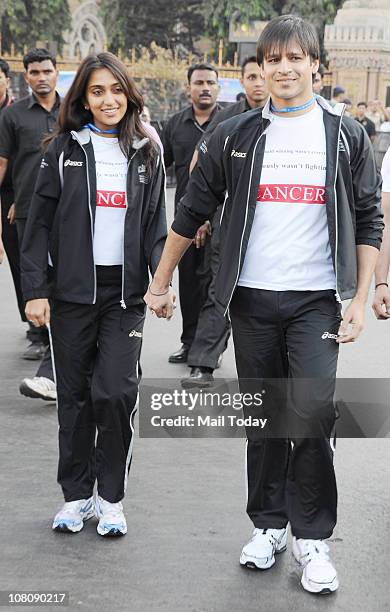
{"x": 72, "y": 515}
{"x": 112, "y": 521}
{"x": 39, "y": 387}
{"x": 319, "y": 575}
{"x": 260, "y": 551}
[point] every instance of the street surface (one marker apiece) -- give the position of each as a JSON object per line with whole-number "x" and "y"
{"x": 185, "y": 503}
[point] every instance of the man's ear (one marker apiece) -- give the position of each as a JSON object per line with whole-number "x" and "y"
{"x": 25, "y": 76}
{"x": 315, "y": 66}
{"x": 262, "y": 74}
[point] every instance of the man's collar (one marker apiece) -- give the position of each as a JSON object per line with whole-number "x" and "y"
{"x": 33, "y": 101}
{"x": 189, "y": 113}
{"x": 337, "y": 110}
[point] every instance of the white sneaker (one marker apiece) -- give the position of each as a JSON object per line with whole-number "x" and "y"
{"x": 319, "y": 575}
{"x": 112, "y": 521}
{"x": 260, "y": 551}
{"x": 72, "y": 515}
{"x": 40, "y": 387}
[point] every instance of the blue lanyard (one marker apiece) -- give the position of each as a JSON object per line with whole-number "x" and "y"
{"x": 97, "y": 130}
{"x": 292, "y": 109}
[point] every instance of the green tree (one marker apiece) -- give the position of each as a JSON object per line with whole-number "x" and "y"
{"x": 218, "y": 13}
{"x": 23, "y": 22}
{"x": 168, "y": 23}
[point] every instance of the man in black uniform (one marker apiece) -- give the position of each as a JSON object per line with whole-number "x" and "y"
{"x": 8, "y": 235}
{"x": 180, "y": 137}
{"x": 23, "y": 126}
{"x": 213, "y": 330}
{"x": 368, "y": 125}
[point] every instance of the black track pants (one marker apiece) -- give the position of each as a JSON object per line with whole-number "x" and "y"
{"x": 11, "y": 247}
{"x": 194, "y": 280}
{"x": 280, "y": 335}
{"x": 213, "y": 329}
{"x": 36, "y": 334}
{"x": 96, "y": 353}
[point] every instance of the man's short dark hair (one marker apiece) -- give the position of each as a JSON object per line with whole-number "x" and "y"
{"x": 4, "y": 67}
{"x": 281, "y": 31}
{"x": 38, "y": 55}
{"x": 252, "y": 59}
{"x": 362, "y": 104}
{"x": 203, "y": 66}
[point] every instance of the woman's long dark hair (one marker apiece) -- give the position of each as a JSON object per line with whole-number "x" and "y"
{"x": 73, "y": 115}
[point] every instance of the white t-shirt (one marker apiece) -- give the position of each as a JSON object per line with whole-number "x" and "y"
{"x": 288, "y": 248}
{"x": 111, "y": 201}
{"x": 385, "y": 171}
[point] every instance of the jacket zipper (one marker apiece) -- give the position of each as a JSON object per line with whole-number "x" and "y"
{"x": 337, "y": 295}
{"x": 122, "y": 302}
{"x": 246, "y": 217}
{"x": 91, "y": 218}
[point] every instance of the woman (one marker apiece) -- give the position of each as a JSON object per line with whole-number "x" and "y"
{"x": 99, "y": 211}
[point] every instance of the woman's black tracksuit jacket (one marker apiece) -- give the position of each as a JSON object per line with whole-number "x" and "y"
{"x": 97, "y": 313}
{"x": 291, "y": 334}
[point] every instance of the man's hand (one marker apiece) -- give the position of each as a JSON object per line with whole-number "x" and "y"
{"x": 11, "y": 214}
{"x": 38, "y": 312}
{"x": 354, "y": 318}
{"x": 160, "y": 302}
{"x": 1, "y": 251}
{"x": 201, "y": 235}
{"x": 381, "y": 303}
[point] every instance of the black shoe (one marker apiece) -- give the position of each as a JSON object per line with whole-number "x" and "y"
{"x": 35, "y": 351}
{"x": 199, "y": 377}
{"x": 180, "y": 356}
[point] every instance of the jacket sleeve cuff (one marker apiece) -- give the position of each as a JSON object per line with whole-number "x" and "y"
{"x": 376, "y": 243}
{"x": 35, "y": 294}
{"x": 185, "y": 226}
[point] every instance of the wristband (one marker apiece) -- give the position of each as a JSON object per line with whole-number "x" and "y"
{"x": 380, "y": 284}
{"x": 158, "y": 294}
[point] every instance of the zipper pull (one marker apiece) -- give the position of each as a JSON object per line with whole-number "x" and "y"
{"x": 123, "y": 305}
{"x": 338, "y": 298}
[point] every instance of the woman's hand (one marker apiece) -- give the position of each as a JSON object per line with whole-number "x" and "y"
{"x": 38, "y": 312}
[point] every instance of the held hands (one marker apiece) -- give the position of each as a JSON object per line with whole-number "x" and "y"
{"x": 1, "y": 251}
{"x": 38, "y": 312}
{"x": 160, "y": 300}
{"x": 353, "y": 321}
{"x": 381, "y": 303}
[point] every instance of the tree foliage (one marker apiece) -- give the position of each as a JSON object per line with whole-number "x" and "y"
{"x": 169, "y": 23}
{"x": 178, "y": 25}
{"x": 23, "y": 22}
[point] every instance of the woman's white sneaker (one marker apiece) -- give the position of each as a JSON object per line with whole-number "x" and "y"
{"x": 319, "y": 575}
{"x": 71, "y": 517}
{"x": 260, "y": 551}
{"x": 112, "y": 521}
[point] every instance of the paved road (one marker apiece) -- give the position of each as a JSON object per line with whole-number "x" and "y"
{"x": 185, "y": 505}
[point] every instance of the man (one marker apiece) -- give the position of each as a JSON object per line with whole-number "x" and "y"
{"x": 381, "y": 304}
{"x": 293, "y": 242}
{"x": 338, "y": 95}
{"x": 361, "y": 117}
{"x": 213, "y": 329}
{"x": 317, "y": 80}
{"x": 23, "y": 126}
{"x": 180, "y": 136}
{"x": 375, "y": 112}
{"x": 8, "y": 234}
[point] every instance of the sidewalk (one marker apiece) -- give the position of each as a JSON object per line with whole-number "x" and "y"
{"x": 185, "y": 504}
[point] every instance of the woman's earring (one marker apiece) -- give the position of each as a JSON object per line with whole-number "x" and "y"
{"x": 86, "y": 107}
